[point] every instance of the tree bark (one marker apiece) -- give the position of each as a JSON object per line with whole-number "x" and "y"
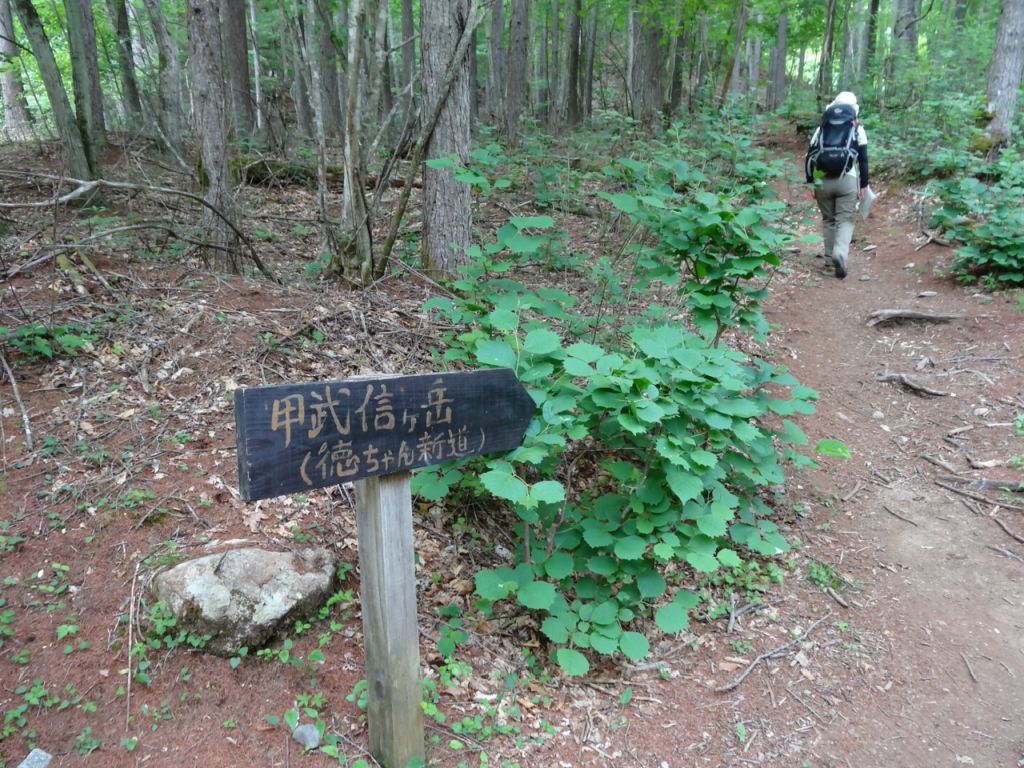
{"x": 1006, "y": 69}
{"x": 169, "y": 81}
{"x": 572, "y": 47}
{"x": 408, "y": 59}
{"x": 871, "y": 37}
{"x": 257, "y": 74}
{"x": 85, "y": 70}
{"x": 824, "y": 87}
{"x": 79, "y": 156}
{"x": 126, "y": 60}
{"x": 515, "y": 84}
{"x": 236, "y": 66}
{"x": 555, "y": 67}
{"x": 496, "y": 62}
{"x": 589, "y": 56}
{"x": 645, "y": 86}
{"x": 329, "y": 56}
{"x": 732, "y": 75}
{"x": 211, "y": 123}
{"x": 777, "y": 73}
{"x": 17, "y": 120}
{"x": 447, "y": 218}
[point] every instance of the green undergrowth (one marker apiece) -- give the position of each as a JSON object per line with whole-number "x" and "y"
{"x": 656, "y": 441}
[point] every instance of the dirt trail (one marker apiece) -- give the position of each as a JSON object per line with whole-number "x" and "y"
{"x": 947, "y": 676}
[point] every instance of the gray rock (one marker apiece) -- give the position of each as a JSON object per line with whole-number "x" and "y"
{"x": 865, "y": 278}
{"x": 878, "y": 415}
{"x": 36, "y": 759}
{"x": 241, "y": 597}
{"x": 307, "y": 735}
{"x": 927, "y": 294}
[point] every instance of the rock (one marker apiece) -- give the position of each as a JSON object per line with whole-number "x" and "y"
{"x": 910, "y": 265}
{"x": 868, "y": 248}
{"x": 865, "y": 278}
{"x": 241, "y": 597}
{"x": 307, "y": 735}
{"x": 927, "y": 294}
{"x": 36, "y": 759}
{"x": 981, "y": 411}
{"x": 877, "y": 415}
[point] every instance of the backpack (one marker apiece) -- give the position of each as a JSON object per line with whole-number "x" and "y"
{"x": 835, "y": 149}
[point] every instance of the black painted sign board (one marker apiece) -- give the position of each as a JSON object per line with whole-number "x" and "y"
{"x": 297, "y": 437}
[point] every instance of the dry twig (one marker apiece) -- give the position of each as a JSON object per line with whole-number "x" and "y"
{"x": 889, "y": 315}
{"x": 775, "y": 653}
{"x": 1008, "y": 532}
{"x": 900, "y": 517}
{"x": 911, "y": 383}
{"x": 17, "y": 398}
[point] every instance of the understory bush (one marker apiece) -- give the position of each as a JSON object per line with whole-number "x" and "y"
{"x": 655, "y": 444}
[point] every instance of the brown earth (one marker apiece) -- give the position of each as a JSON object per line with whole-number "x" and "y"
{"x": 895, "y": 640}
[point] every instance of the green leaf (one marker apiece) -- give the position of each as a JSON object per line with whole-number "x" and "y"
{"x": 835, "y": 448}
{"x": 548, "y": 492}
{"x": 559, "y": 565}
{"x": 605, "y": 612}
{"x": 684, "y": 485}
{"x": 505, "y": 485}
{"x": 588, "y": 353}
{"x": 536, "y": 595}
{"x": 598, "y": 538}
{"x": 672, "y": 618}
{"x": 504, "y": 319}
{"x": 626, "y": 696}
{"x": 729, "y": 558}
{"x": 532, "y": 222}
{"x": 791, "y": 433}
{"x": 496, "y": 584}
{"x": 702, "y": 561}
{"x": 541, "y": 341}
{"x": 634, "y": 645}
{"x": 625, "y": 203}
{"x": 496, "y": 353}
{"x": 555, "y": 630}
{"x": 630, "y": 548}
{"x": 604, "y": 645}
{"x": 572, "y": 662}
{"x": 651, "y": 584}
{"x": 291, "y": 719}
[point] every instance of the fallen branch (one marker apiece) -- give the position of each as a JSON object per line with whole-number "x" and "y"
{"x": 775, "y": 653}
{"x": 979, "y": 497}
{"x": 970, "y": 671}
{"x": 898, "y": 516}
{"x": 1008, "y": 532}
{"x": 911, "y": 383}
{"x": 984, "y": 484}
{"x": 889, "y": 315}
{"x": 1007, "y": 553}
{"x": 26, "y": 425}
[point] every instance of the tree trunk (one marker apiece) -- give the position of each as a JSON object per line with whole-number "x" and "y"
{"x": 126, "y": 60}
{"x": 257, "y": 73}
{"x": 555, "y": 67}
{"x": 447, "y": 215}
{"x": 515, "y": 84}
{"x": 871, "y": 38}
{"x": 85, "y": 71}
{"x": 824, "y": 87}
{"x": 542, "y": 74}
{"x": 328, "y": 57}
{"x": 572, "y": 45}
{"x": 496, "y": 62}
{"x": 79, "y": 155}
{"x": 169, "y": 81}
{"x": 211, "y": 125}
{"x": 17, "y": 120}
{"x": 777, "y": 68}
{"x": 645, "y": 86}
{"x": 732, "y": 74}
{"x": 300, "y": 71}
{"x": 1004, "y": 74}
{"x": 408, "y": 60}
{"x": 589, "y": 55}
{"x": 236, "y": 66}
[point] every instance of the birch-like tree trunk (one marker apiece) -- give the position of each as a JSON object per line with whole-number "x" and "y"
{"x": 447, "y": 212}
{"x": 1004, "y": 74}
{"x": 555, "y": 99}
{"x": 85, "y": 70}
{"x": 126, "y": 60}
{"x": 408, "y": 60}
{"x": 257, "y": 72}
{"x": 78, "y": 153}
{"x": 211, "y": 127}
{"x": 733, "y": 74}
{"x": 518, "y": 72}
{"x": 236, "y": 66}
{"x": 645, "y": 86}
{"x": 777, "y": 73}
{"x": 17, "y": 120}
{"x": 589, "y": 57}
{"x": 169, "y": 78}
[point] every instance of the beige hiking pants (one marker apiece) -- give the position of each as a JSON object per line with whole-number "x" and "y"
{"x": 837, "y": 200}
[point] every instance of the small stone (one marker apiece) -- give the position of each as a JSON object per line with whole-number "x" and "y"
{"x": 867, "y": 248}
{"x": 911, "y": 265}
{"x": 36, "y": 759}
{"x": 877, "y": 415}
{"x": 865, "y": 278}
{"x": 307, "y": 735}
{"x": 981, "y": 411}
{"x": 927, "y": 294}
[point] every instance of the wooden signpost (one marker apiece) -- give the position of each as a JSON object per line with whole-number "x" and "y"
{"x": 373, "y": 431}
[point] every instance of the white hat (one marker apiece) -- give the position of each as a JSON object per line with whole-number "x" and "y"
{"x": 846, "y": 97}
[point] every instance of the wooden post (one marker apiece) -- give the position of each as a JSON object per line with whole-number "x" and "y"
{"x": 387, "y": 576}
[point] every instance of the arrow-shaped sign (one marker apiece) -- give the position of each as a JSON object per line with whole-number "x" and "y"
{"x": 297, "y": 437}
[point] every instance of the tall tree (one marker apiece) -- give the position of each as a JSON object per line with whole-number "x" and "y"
{"x": 647, "y": 63}
{"x": 170, "y": 116}
{"x": 1006, "y": 70}
{"x": 447, "y": 219}
{"x": 236, "y": 66}
{"x": 572, "y": 49}
{"x": 777, "y": 66}
{"x": 871, "y": 38}
{"x": 408, "y": 59}
{"x": 515, "y": 84}
{"x": 732, "y": 75}
{"x": 79, "y": 152}
{"x": 211, "y": 124}
{"x": 496, "y": 61}
{"x": 824, "y": 86}
{"x": 17, "y": 121}
{"x": 126, "y": 60}
{"x": 85, "y": 69}
{"x": 589, "y": 56}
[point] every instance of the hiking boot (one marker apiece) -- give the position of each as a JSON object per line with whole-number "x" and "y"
{"x": 840, "y": 268}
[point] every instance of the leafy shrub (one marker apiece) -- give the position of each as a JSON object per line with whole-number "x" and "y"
{"x": 37, "y": 342}
{"x": 985, "y": 212}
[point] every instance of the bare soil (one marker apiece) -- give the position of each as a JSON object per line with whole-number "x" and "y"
{"x": 895, "y": 639}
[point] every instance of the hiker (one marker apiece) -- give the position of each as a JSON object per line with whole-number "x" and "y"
{"x": 837, "y": 165}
